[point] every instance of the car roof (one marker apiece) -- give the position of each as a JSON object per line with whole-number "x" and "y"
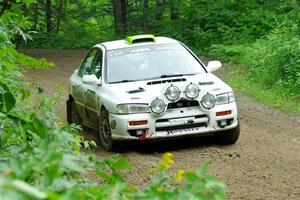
{"x": 118, "y": 44}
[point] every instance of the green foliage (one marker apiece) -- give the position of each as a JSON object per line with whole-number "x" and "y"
{"x": 35, "y": 148}
{"x": 261, "y": 35}
{"x": 40, "y": 156}
{"x": 273, "y": 61}
{"x": 82, "y": 24}
{"x": 239, "y": 78}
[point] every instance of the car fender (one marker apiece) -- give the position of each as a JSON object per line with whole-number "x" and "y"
{"x": 107, "y": 100}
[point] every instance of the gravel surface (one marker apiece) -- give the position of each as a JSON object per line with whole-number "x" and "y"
{"x": 263, "y": 164}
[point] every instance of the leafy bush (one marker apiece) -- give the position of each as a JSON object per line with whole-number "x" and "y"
{"x": 35, "y": 147}
{"x": 76, "y": 35}
{"x": 273, "y": 60}
{"x": 181, "y": 185}
{"x": 41, "y": 158}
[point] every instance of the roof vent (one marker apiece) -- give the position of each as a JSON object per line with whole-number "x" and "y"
{"x": 140, "y": 38}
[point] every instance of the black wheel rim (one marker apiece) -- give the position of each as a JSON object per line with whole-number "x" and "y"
{"x": 105, "y": 132}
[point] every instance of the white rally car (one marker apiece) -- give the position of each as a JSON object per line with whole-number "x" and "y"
{"x": 146, "y": 87}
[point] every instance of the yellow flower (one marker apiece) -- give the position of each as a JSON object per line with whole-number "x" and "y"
{"x": 60, "y": 123}
{"x": 28, "y": 84}
{"x": 160, "y": 189}
{"x": 134, "y": 187}
{"x": 179, "y": 175}
{"x": 168, "y": 156}
{"x": 166, "y": 162}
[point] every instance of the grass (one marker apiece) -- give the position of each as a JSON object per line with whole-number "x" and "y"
{"x": 238, "y": 78}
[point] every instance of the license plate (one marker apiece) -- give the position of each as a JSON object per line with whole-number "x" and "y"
{"x": 185, "y": 130}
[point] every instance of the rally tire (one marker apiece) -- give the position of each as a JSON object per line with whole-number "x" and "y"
{"x": 105, "y": 131}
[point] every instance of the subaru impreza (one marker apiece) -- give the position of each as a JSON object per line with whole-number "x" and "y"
{"x": 148, "y": 88}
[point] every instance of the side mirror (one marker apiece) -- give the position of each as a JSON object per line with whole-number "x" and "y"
{"x": 214, "y": 65}
{"x": 91, "y": 79}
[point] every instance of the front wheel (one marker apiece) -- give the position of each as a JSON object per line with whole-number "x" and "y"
{"x": 227, "y": 137}
{"x": 104, "y": 131}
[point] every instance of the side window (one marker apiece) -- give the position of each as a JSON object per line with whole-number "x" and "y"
{"x": 86, "y": 67}
{"x": 98, "y": 63}
{"x": 92, "y": 64}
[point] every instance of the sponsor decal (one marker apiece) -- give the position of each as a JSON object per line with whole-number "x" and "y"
{"x": 186, "y": 130}
{"x": 138, "y": 50}
{"x": 133, "y": 50}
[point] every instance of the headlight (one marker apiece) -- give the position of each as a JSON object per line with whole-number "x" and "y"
{"x": 208, "y": 101}
{"x": 158, "y": 106}
{"x": 192, "y": 91}
{"x": 225, "y": 98}
{"x": 132, "y": 108}
{"x": 173, "y": 93}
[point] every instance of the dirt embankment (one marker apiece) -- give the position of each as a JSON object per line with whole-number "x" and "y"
{"x": 263, "y": 164}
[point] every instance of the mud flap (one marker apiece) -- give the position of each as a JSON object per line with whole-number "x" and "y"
{"x": 69, "y": 107}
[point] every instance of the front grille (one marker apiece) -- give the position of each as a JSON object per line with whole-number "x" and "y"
{"x": 166, "y": 120}
{"x": 183, "y": 103}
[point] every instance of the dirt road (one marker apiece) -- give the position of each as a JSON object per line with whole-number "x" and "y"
{"x": 263, "y": 164}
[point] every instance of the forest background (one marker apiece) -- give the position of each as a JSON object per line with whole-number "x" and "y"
{"x": 260, "y": 37}
{"x": 40, "y": 156}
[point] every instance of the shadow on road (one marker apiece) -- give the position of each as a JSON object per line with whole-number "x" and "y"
{"x": 153, "y": 146}
{"x": 165, "y": 145}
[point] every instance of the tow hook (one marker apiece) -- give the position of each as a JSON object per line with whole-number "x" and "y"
{"x": 142, "y": 137}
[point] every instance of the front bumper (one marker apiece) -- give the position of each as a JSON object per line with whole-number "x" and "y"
{"x": 174, "y": 123}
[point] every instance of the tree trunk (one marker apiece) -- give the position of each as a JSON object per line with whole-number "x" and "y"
{"x": 159, "y": 9}
{"x": 59, "y": 14}
{"x": 120, "y": 16}
{"x": 24, "y": 10}
{"x": 174, "y": 13}
{"x": 145, "y": 15}
{"x": 48, "y": 15}
{"x": 35, "y": 15}
{"x": 4, "y": 6}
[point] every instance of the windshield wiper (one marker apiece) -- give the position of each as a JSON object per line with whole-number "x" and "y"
{"x": 156, "y": 77}
{"x": 167, "y": 76}
{"x": 174, "y": 75}
{"x": 123, "y": 81}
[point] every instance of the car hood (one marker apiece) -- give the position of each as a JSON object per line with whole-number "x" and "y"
{"x": 147, "y": 90}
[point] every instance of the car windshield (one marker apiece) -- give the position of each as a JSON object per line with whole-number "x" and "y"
{"x": 150, "y": 62}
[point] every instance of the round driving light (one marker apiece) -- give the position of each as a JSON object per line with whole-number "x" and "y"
{"x": 208, "y": 101}
{"x": 158, "y": 106}
{"x": 173, "y": 93}
{"x": 192, "y": 91}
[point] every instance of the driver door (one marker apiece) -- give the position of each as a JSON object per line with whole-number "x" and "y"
{"x": 92, "y": 100}
{"x": 80, "y": 89}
